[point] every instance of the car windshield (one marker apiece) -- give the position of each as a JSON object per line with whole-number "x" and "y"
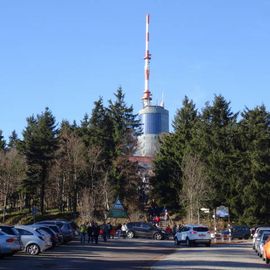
{"x": 265, "y": 237}
{"x": 261, "y": 232}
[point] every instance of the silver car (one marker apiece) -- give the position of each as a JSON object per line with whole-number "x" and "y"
{"x": 33, "y": 240}
{"x": 9, "y": 244}
{"x": 260, "y": 242}
{"x": 257, "y": 235}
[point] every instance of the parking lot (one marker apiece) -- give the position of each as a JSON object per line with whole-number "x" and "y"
{"x": 114, "y": 254}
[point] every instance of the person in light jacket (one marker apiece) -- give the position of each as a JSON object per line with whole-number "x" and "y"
{"x": 124, "y": 230}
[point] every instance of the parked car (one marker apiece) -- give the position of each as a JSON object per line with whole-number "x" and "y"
{"x": 258, "y": 234}
{"x": 52, "y": 234}
{"x": 192, "y": 234}
{"x": 65, "y": 227}
{"x": 260, "y": 241}
{"x": 240, "y": 232}
{"x": 56, "y": 229}
{"x": 10, "y": 230}
{"x": 266, "y": 251}
{"x": 145, "y": 230}
{"x": 33, "y": 240}
{"x": 9, "y": 244}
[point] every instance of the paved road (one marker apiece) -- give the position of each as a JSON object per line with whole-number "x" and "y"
{"x": 138, "y": 254}
{"x": 219, "y": 257}
{"x": 116, "y": 255}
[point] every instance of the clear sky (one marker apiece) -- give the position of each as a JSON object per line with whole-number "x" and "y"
{"x": 64, "y": 54}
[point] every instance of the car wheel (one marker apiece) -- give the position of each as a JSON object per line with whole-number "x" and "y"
{"x": 157, "y": 236}
{"x": 267, "y": 261}
{"x": 208, "y": 244}
{"x": 130, "y": 234}
{"x": 176, "y": 242}
{"x": 33, "y": 249}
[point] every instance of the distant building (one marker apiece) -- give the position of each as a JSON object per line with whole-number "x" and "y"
{"x": 155, "y": 118}
{"x": 155, "y": 122}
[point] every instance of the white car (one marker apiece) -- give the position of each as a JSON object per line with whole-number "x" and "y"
{"x": 34, "y": 241}
{"x": 192, "y": 234}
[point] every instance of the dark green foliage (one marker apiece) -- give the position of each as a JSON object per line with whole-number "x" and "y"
{"x": 13, "y": 139}
{"x": 167, "y": 184}
{"x": 255, "y": 128}
{"x": 215, "y": 145}
{"x": 38, "y": 145}
{"x": 125, "y": 129}
{"x": 89, "y": 165}
{"x": 236, "y": 158}
{"x": 2, "y": 141}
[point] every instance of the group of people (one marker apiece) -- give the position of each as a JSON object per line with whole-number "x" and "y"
{"x": 92, "y": 231}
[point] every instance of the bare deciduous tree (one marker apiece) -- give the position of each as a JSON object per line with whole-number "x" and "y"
{"x": 12, "y": 172}
{"x": 196, "y": 188}
{"x": 69, "y": 165}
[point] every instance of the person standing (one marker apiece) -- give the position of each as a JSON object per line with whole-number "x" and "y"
{"x": 83, "y": 231}
{"x": 124, "y": 230}
{"x": 112, "y": 232}
{"x": 96, "y": 230}
{"x": 90, "y": 232}
{"x": 109, "y": 227}
{"x": 105, "y": 232}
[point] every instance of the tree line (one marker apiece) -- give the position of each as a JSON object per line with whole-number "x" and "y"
{"x": 216, "y": 157}
{"x": 212, "y": 157}
{"x": 73, "y": 167}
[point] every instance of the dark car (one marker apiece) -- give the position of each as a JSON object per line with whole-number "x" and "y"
{"x": 240, "y": 232}
{"x": 65, "y": 227}
{"x": 145, "y": 230}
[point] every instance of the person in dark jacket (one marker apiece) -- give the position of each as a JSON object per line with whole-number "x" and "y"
{"x": 105, "y": 232}
{"x": 90, "y": 232}
{"x": 96, "y": 230}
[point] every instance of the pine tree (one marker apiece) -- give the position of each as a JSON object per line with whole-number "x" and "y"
{"x": 125, "y": 128}
{"x": 13, "y": 139}
{"x": 126, "y": 125}
{"x": 167, "y": 183}
{"x": 255, "y": 181}
{"x": 213, "y": 140}
{"x": 39, "y": 145}
{"x": 2, "y": 141}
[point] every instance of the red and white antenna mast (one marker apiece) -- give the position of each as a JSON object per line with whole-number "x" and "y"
{"x": 147, "y": 94}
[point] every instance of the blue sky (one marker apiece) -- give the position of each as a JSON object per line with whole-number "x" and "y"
{"x": 64, "y": 54}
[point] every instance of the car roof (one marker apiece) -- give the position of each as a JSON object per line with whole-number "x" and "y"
{"x": 262, "y": 228}
{"x": 26, "y": 227}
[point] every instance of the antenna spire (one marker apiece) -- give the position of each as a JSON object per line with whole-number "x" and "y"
{"x": 147, "y": 94}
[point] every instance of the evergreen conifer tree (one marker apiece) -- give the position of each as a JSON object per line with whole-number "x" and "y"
{"x": 39, "y": 145}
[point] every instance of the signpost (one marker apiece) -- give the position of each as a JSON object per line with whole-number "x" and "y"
{"x": 34, "y": 213}
{"x": 222, "y": 211}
